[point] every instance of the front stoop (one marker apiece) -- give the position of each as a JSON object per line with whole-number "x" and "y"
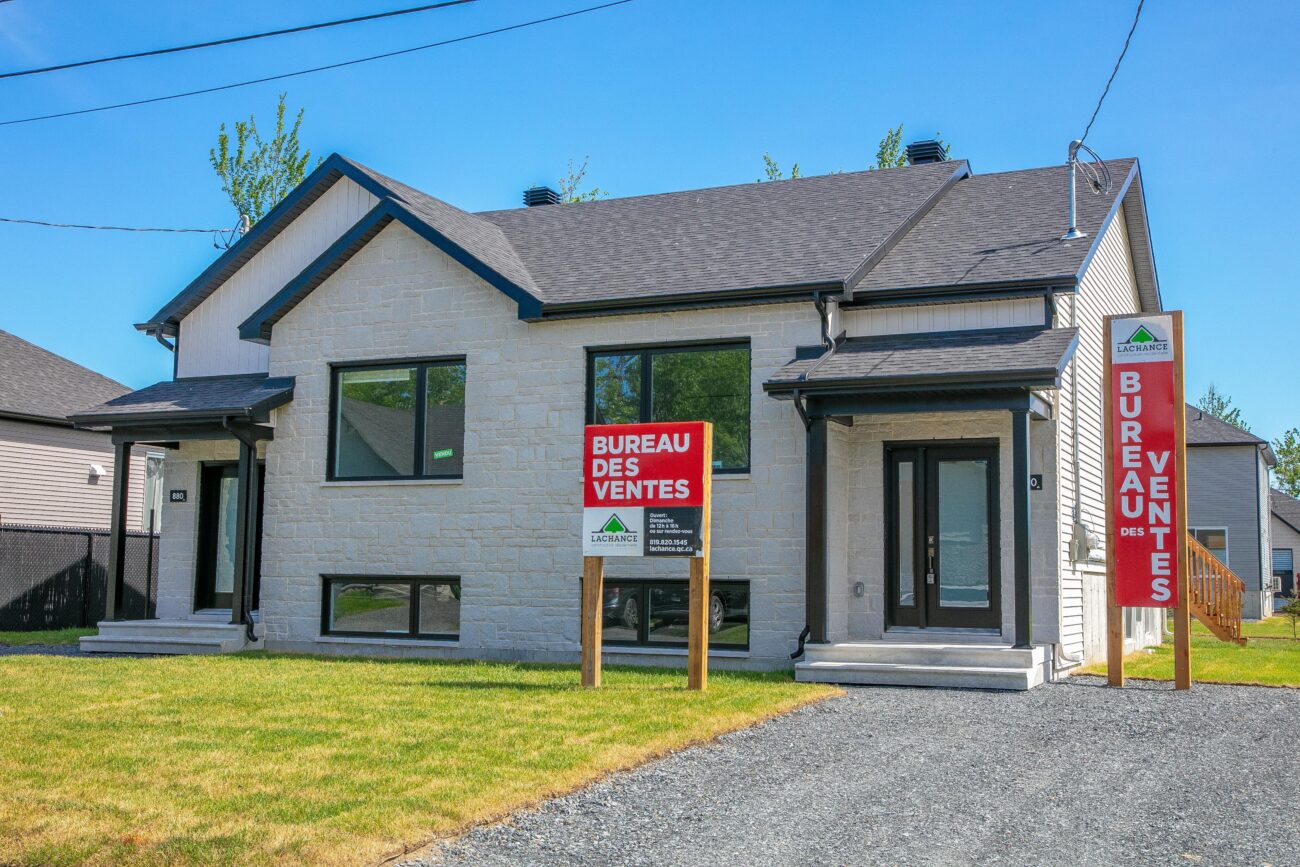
{"x": 895, "y": 663}
{"x": 166, "y": 637}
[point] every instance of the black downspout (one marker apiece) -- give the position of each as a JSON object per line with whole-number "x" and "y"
{"x": 815, "y": 531}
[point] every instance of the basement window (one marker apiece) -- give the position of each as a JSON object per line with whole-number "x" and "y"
{"x": 641, "y": 613}
{"x": 425, "y": 607}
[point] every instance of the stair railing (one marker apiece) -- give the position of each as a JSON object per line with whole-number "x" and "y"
{"x": 1215, "y": 592}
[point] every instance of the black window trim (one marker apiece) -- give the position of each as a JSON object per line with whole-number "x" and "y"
{"x": 422, "y": 363}
{"x": 414, "y": 582}
{"x": 645, "y": 585}
{"x": 648, "y": 351}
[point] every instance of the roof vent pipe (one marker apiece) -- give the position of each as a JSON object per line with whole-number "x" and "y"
{"x": 534, "y": 196}
{"x": 928, "y": 151}
{"x": 1073, "y": 162}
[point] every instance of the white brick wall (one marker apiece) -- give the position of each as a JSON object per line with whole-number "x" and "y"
{"x": 511, "y": 530}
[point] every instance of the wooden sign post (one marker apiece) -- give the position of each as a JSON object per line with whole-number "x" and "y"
{"x": 1146, "y": 473}
{"x": 647, "y": 492}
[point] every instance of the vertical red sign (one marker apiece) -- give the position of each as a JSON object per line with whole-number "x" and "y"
{"x": 1144, "y": 461}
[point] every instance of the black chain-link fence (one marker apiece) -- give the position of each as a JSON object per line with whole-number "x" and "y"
{"x": 55, "y": 577}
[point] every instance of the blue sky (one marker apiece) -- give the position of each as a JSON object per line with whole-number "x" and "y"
{"x": 663, "y": 95}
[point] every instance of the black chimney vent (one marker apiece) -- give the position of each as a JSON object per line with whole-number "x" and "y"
{"x": 534, "y": 196}
{"x": 929, "y": 151}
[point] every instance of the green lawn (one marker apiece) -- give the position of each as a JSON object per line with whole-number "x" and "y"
{"x": 1266, "y": 660}
{"x": 258, "y": 759}
{"x": 44, "y": 636}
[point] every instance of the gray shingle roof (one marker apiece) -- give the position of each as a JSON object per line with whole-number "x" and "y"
{"x": 36, "y": 383}
{"x": 1285, "y": 507}
{"x": 244, "y": 396}
{"x": 998, "y": 228}
{"x": 1204, "y": 429}
{"x": 1027, "y": 357}
{"x": 778, "y": 234}
{"x": 912, "y": 227}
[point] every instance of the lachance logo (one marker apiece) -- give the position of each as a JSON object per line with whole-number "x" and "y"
{"x": 614, "y": 530}
{"x": 1143, "y": 339}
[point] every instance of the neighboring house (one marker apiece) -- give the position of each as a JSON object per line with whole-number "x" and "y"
{"x": 887, "y": 356}
{"x": 1228, "y": 502}
{"x": 50, "y": 473}
{"x": 1285, "y": 528}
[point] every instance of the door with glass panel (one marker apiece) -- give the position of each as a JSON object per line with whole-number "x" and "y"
{"x": 218, "y": 511}
{"x": 942, "y": 546}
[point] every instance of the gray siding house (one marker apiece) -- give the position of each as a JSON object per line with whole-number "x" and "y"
{"x": 375, "y": 429}
{"x": 52, "y": 475}
{"x": 1285, "y": 531}
{"x": 1228, "y": 503}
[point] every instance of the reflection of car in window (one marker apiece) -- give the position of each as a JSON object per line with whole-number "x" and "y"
{"x": 670, "y": 605}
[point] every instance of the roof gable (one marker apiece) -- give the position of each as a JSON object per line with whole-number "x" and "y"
{"x": 1204, "y": 429}
{"x": 36, "y": 384}
{"x": 1285, "y": 508}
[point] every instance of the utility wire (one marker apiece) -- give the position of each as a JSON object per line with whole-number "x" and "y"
{"x": 329, "y": 66}
{"x": 107, "y": 228}
{"x": 1113, "y": 72}
{"x": 234, "y": 39}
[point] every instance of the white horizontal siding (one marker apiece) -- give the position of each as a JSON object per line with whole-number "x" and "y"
{"x": 961, "y": 316}
{"x": 45, "y": 477}
{"x": 1108, "y": 287}
{"x": 209, "y": 341}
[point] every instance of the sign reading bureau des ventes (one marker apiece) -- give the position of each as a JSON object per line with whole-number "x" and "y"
{"x": 643, "y": 490}
{"x": 1145, "y": 410}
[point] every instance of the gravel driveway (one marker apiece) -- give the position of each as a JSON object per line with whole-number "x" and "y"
{"x": 1070, "y": 773}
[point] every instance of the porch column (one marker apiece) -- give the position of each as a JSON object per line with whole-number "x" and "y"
{"x": 246, "y": 499}
{"x": 1020, "y": 517}
{"x": 815, "y": 535}
{"x": 115, "y": 588}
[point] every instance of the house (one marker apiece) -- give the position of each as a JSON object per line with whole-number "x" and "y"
{"x": 50, "y": 473}
{"x": 1284, "y": 527}
{"x": 376, "y": 422}
{"x": 1228, "y": 502}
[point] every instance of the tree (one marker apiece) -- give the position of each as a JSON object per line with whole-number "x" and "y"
{"x": 260, "y": 173}
{"x": 569, "y": 185}
{"x": 1286, "y": 475}
{"x": 1291, "y": 611}
{"x": 891, "y": 153}
{"x": 773, "y": 171}
{"x": 1220, "y": 406}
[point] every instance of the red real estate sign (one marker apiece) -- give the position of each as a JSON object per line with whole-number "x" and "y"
{"x": 643, "y": 489}
{"x": 1144, "y": 449}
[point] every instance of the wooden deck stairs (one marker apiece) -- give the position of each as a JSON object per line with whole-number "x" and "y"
{"x": 1215, "y": 593}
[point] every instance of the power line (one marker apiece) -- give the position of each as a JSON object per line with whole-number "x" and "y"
{"x": 329, "y": 66}
{"x": 234, "y": 39}
{"x": 1113, "y": 72}
{"x": 108, "y": 228}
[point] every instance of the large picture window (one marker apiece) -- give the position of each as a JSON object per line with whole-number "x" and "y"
{"x": 682, "y": 383}
{"x": 398, "y": 421}
{"x": 654, "y": 614}
{"x": 391, "y": 607}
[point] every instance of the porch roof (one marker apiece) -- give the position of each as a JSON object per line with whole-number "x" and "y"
{"x": 243, "y": 397}
{"x": 1004, "y": 358}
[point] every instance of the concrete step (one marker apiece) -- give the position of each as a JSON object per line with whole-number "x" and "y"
{"x": 924, "y": 653}
{"x": 891, "y": 674}
{"x": 166, "y": 637}
{"x": 911, "y": 634}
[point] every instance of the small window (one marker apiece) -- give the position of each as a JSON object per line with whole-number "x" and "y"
{"x": 392, "y": 607}
{"x": 151, "y": 510}
{"x": 654, "y": 614}
{"x": 398, "y": 421}
{"x": 1214, "y": 538}
{"x": 691, "y": 383}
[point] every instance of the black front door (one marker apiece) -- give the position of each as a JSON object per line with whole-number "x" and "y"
{"x": 942, "y": 547}
{"x": 217, "y": 519}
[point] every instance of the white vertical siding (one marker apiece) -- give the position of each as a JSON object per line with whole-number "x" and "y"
{"x": 1108, "y": 287}
{"x": 962, "y": 316}
{"x": 209, "y": 341}
{"x": 45, "y": 477}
